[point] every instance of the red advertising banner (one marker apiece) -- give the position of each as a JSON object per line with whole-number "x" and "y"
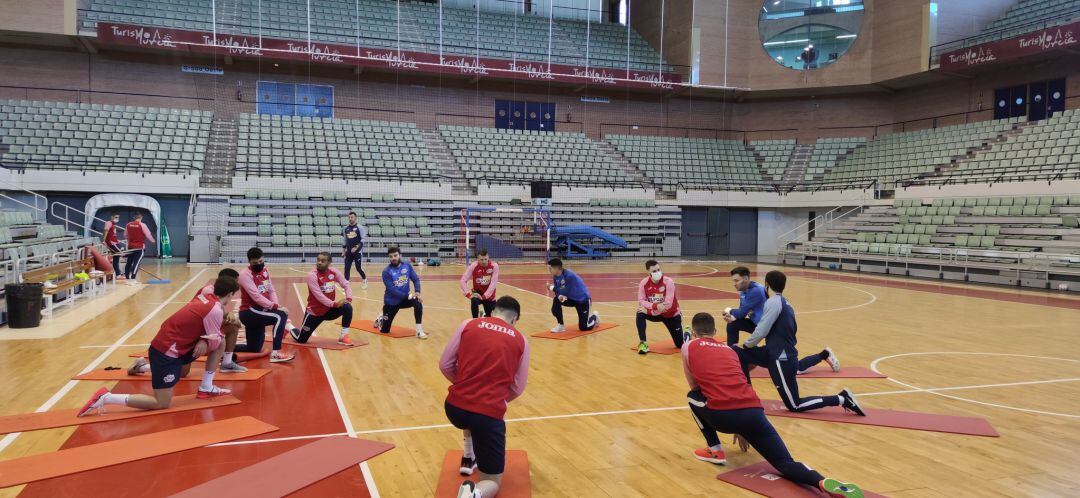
{"x": 250, "y": 46}
{"x": 1013, "y": 48}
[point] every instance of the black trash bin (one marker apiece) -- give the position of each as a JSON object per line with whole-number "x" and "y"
{"x": 23, "y": 305}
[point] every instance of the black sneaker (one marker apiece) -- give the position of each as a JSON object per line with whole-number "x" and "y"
{"x": 377, "y": 324}
{"x": 850, "y": 404}
{"x": 468, "y": 466}
{"x": 466, "y": 490}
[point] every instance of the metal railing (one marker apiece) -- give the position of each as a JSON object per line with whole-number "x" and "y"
{"x": 822, "y": 221}
{"x": 1001, "y": 34}
{"x": 37, "y": 209}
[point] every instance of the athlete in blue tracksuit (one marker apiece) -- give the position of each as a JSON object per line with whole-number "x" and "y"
{"x": 396, "y": 277}
{"x": 570, "y": 291}
{"x": 751, "y": 303}
{"x": 353, "y": 247}
{"x": 780, "y": 356}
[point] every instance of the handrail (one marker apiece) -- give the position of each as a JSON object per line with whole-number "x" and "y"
{"x": 1053, "y": 20}
{"x": 65, "y": 217}
{"x": 38, "y": 199}
{"x": 807, "y": 223}
{"x": 827, "y": 218}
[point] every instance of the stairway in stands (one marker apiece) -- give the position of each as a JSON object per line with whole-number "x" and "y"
{"x": 973, "y": 152}
{"x": 797, "y": 164}
{"x": 448, "y": 167}
{"x": 220, "y": 154}
{"x": 624, "y": 163}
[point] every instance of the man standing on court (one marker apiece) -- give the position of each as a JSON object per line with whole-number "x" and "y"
{"x": 191, "y": 332}
{"x": 353, "y": 248}
{"x": 570, "y": 291}
{"x": 259, "y": 308}
{"x": 137, "y": 235}
{"x": 322, "y": 301}
{"x": 751, "y": 300}
{"x": 478, "y": 283}
{"x": 112, "y": 241}
{"x": 396, "y": 278}
{"x": 657, "y": 303}
{"x": 487, "y": 364}
{"x": 722, "y": 400}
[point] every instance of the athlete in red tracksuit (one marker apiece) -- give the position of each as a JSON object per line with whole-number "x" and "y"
{"x": 259, "y": 308}
{"x": 478, "y": 283}
{"x": 322, "y": 301}
{"x": 657, "y": 303}
{"x": 137, "y": 236}
{"x": 230, "y": 327}
{"x": 487, "y": 363}
{"x": 722, "y": 400}
{"x": 113, "y": 242}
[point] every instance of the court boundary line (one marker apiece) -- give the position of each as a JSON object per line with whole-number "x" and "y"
{"x": 66, "y": 388}
{"x": 365, "y": 470}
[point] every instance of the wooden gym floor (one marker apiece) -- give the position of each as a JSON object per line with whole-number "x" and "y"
{"x": 597, "y": 419}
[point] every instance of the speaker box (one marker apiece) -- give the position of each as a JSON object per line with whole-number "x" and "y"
{"x": 541, "y": 190}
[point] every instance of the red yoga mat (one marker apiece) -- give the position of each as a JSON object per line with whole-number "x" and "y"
{"x": 316, "y": 342}
{"x": 237, "y": 357}
{"x": 515, "y": 479}
{"x": 572, "y": 332}
{"x": 395, "y": 331}
{"x": 36, "y": 421}
{"x": 291, "y": 471}
{"x": 932, "y": 422}
{"x": 666, "y": 347}
{"x": 195, "y": 375}
{"x": 763, "y": 479}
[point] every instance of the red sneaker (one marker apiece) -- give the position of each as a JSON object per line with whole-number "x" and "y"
{"x": 708, "y": 455}
{"x": 344, "y": 340}
{"x": 213, "y": 392}
{"x": 96, "y": 402}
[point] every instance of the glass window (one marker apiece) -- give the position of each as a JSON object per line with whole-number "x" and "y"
{"x": 809, "y": 34}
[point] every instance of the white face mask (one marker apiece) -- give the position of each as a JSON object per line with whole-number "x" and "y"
{"x": 657, "y": 275}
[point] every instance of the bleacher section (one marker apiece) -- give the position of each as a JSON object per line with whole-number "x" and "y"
{"x": 1049, "y": 150}
{"x": 505, "y": 36}
{"x": 95, "y": 137}
{"x": 691, "y": 162}
{"x": 1024, "y": 17}
{"x": 895, "y": 157}
{"x": 33, "y": 244}
{"x": 776, "y": 154}
{"x": 986, "y": 239}
{"x": 294, "y": 146}
{"x": 500, "y": 156}
{"x": 827, "y": 151}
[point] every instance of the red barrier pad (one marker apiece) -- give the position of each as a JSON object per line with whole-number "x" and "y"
{"x": 316, "y": 342}
{"x": 195, "y": 375}
{"x": 932, "y": 422}
{"x": 395, "y": 331}
{"x": 820, "y": 372}
{"x": 572, "y": 332}
{"x": 764, "y": 480}
{"x": 291, "y": 471}
{"x": 237, "y": 357}
{"x": 515, "y": 479}
{"x": 661, "y": 347}
{"x": 95, "y": 456}
{"x": 37, "y": 421}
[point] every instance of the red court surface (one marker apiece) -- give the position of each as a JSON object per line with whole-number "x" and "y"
{"x": 296, "y": 398}
{"x": 515, "y": 480}
{"x": 618, "y": 287}
{"x": 763, "y": 479}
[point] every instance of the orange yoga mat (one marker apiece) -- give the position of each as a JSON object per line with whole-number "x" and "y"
{"x": 572, "y": 332}
{"x": 238, "y": 357}
{"x": 661, "y": 347}
{"x": 763, "y": 479}
{"x": 972, "y": 426}
{"x": 37, "y": 421}
{"x": 95, "y": 456}
{"x": 316, "y": 342}
{"x": 195, "y": 375}
{"x": 291, "y": 471}
{"x": 515, "y": 478}
{"x": 395, "y": 331}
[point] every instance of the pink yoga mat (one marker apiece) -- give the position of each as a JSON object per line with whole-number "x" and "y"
{"x": 932, "y": 422}
{"x": 763, "y": 479}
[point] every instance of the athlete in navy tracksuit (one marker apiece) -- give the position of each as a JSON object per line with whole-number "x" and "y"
{"x": 570, "y": 291}
{"x": 353, "y": 247}
{"x": 780, "y": 356}
{"x": 396, "y": 277}
{"x": 751, "y": 301}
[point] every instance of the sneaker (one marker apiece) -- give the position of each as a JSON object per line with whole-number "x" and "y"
{"x": 837, "y": 489}
{"x": 832, "y": 360}
{"x": 232, "y": 367}
{"x": 850, "y": 404}
{"x": 707, "y": 455}
{"x": 344, "y": 340}
{"x": 643, "y": 348}
{"x": 558, "y": 328}
{"x": 120, "y": 278}
{"x": 281, "y": 356}
{"x": 420, "y": 332}
{"x": 467, "y": 489}
{"x": 136, "y": 369}
{"x": 295, "y": 333}
{"x": 377, "y": 324}
{"x": 595, "y": 318}
{"x": 213, "y": 392}
{"x": 96, "y": 402}
{"x": 686, "y": 334}
{"x": 363, "y": 284}
{"x": 468, "y": 465}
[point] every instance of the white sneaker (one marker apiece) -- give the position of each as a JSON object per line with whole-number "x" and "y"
{"x": 363, "y": 284}
{"x": 140, "y": 366}
{"x": 420, "y": 332}
{"x": 211, "y": 393}
{"x": 377, "y": 324}
{"x": 595, "y": 318}
{"x": 281, "y": 357}
{"x": 832, "y": 360}
{"x": 558, "y": 328}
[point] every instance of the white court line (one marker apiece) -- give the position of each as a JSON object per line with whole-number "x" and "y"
{"x": 97, "y": 346}
{"x": 369, "y": 480}
{"x": 8, "y": 439}
{"x": 874, "y": 364}
{"x": 873, "y": 298}
{"x": 933, "y": 390}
